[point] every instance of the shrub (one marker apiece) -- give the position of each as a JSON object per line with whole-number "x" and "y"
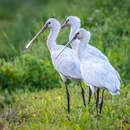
{"x": 28, "y": 70}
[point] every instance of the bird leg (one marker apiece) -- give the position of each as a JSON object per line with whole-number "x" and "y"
{"x": 95, "y": 97}
{"x": 68, "y": 97}
{"x": 97, "y": 100}
{"x": 82, "y": 92}
{"x": 90, "y": 94}
{"x": 102, "y": 101}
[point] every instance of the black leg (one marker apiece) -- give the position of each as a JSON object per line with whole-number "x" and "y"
{"x": 97, "y": 100}
{"x": 68, "y": 97}
{"x": 90, "y": 94}
{"x": 82, "y": 92}
{"x": 102, "y": 101}
{"x": 95, "y": 97}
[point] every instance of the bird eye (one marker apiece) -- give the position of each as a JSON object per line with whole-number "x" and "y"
{"x": 67, "y": 20}
{"x": 49, "y": 22}
{"x": 77, "y": 33}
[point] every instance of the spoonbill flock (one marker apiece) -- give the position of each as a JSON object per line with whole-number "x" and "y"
{"x": 83, "y": 62}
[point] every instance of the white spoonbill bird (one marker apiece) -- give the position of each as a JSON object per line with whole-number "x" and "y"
{"x": 95, "y": 71}
{"x": 67, "y": 64}
{"x": 74, "y": 23}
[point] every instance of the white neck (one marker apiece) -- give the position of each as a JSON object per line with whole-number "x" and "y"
{"x": 73, "y": 30}
{"x": 82, "y": 48}
{"x": 51, "y": 41}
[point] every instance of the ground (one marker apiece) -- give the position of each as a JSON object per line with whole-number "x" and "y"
{"x": 48, "y": 110}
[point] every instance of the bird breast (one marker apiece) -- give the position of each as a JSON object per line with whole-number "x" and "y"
{"x": 67, "y": 63}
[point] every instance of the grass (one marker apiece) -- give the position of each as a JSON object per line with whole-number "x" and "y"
{"x": 48, "y": 110}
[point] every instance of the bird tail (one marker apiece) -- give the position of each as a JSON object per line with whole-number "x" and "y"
{"x": 115, "y": 93}
{"x": 117, "y": 84}
{"x": 118, "y": 76}
{"x": 116, "y": 88}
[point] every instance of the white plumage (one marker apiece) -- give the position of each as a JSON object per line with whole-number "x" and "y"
{"x": 67, "y": 64}
{"x": 98, "y": 73}
{"x": 74, "y": 23}
{"x": 64, "y": 60}
{"x": 95, "y": 71}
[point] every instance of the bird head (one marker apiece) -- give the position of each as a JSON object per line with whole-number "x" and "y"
{"x": 81, "y": 34}
{"x": 51, "y": 23}
{"x": 71, "y": 21}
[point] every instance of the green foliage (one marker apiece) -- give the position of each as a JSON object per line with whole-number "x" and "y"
{"x": 28, "y": 70}
{"x": 48, "y": 110}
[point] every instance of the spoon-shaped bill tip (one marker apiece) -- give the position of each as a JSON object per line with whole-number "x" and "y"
{"x": 28, "y": 45}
